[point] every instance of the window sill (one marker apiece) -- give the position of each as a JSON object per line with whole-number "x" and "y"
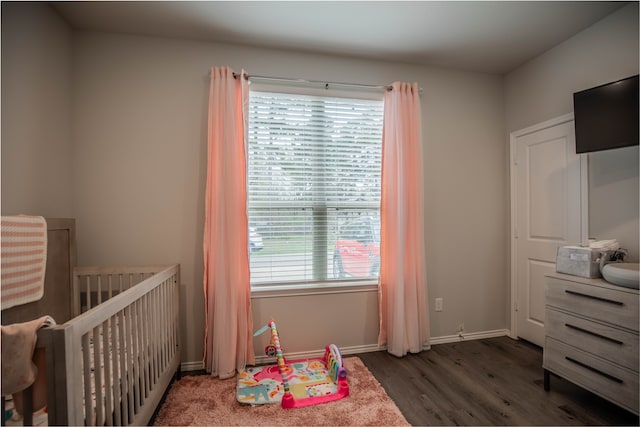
{"x": 275, "y": 291}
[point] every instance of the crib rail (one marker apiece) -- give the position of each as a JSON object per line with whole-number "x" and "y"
{"x": 113, "y": 362}
{"x": 94, "y": 285}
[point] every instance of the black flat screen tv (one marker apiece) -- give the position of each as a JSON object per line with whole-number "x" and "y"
{"x": 606, "y": 116}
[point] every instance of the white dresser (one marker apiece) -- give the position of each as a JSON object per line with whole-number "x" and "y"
{"x": 591, "y": 337}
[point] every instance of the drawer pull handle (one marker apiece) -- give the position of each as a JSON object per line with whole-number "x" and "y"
{"x": 592, "y": 369}
{"x": 610, "y": 301}
{"x": 586, "y": 331}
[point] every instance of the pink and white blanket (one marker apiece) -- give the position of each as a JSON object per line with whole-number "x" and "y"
{"x": 24, "y": 259}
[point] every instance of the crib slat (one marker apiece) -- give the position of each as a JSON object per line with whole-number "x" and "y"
{"x": 135, "y": 355}
{"x": 115, "y": 354}
{"x": 110, "y": 284}
{"x": 161, "y": 327}
{"x": 167, "y": 320}
{"x": 124, "y": 402}
{"x": 167, "y": 323}
{"x": 99, "y": 290}
{"x": 147, "y": 345}
{"x": 156, "y": 340}
{"x": 172, "y": 315}
{"x": 176, "y": 314}
{"x": 163, "y": 331}
{"x": 108, "y": 378}
{"x": 129, "y": 364}
{"x": 143, "y": 383}
{"x": 141, "y": 352}
{"x": 97, "y": 373}
{"x": 86, "y": 371}
{"x": 88, "y": 297}
{"x": 152, "y": 340}
{"x": 159, "y": 331}
{"x": 133, "y": 369}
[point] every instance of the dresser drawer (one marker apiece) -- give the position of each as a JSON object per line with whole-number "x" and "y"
{"x": 607, "y": 342}
{"x": 602, "y": 378}
{"x": 608, "y": 305}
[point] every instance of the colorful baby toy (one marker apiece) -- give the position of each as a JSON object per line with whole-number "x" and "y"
{"x": 295, "y": 384}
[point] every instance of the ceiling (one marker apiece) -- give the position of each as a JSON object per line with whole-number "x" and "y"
{"x": 493, "y": 37}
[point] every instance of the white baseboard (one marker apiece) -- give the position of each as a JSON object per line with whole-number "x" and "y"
{"x": 191, "y": 366}
{"x": 469, "y": 336}
{"x": 263, "y": 359}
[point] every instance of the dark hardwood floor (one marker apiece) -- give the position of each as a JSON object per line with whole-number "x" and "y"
{"x": 496, "y": 381}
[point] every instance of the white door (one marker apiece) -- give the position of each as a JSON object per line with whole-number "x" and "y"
{"x": 546, "y": 202}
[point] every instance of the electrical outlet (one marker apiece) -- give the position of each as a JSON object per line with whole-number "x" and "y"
{"x": 439, "y": 304}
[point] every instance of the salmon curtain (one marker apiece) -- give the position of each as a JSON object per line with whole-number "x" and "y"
{"x": 402, "y": 286}
{"x": 228, "y": 339}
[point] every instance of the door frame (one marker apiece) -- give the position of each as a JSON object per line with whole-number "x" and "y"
{"x": 584, "y": 206}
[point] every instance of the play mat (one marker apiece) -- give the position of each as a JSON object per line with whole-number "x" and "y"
{"x": 296, "y": 383}
{"x": 307, "y": 378}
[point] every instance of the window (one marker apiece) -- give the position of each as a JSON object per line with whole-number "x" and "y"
{"x": 313, "y": 188}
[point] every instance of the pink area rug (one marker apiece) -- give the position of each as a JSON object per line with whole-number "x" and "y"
{"x": 205, "y": 401}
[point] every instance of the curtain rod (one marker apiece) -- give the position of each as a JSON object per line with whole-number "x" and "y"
{"x": 286, "y": 79}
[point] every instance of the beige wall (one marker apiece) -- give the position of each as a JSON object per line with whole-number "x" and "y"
{"x": 543, "y": 88}
{"x": 139, "y": 126}
{"x": 614, "y": 197}
{"x": 36, "y": 93}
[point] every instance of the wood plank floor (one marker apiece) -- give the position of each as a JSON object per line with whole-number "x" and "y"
{"x": 495, "y": 381}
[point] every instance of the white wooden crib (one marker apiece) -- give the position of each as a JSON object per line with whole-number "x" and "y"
{"x": 111, "y": 364}
{"x": 118, "y": 349}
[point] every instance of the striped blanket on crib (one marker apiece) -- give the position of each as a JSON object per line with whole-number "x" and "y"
{"x": 24, "y": 259}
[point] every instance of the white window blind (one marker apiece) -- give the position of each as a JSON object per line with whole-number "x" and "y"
{"x": 313, "y": 188}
